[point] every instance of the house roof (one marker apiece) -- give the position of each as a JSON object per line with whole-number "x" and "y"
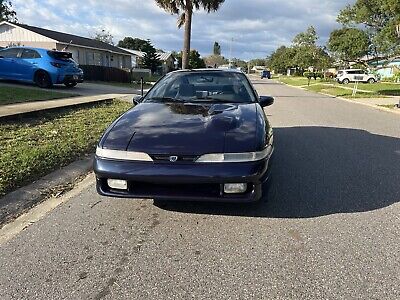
{"x": 66, "y": 38}
{"x": 134, "y": 52}
{"x": 163, "y": 56}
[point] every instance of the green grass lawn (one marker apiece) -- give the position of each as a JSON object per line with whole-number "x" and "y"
{"x": 12, "y": 95}
{"x": 298, "y": 81}
{"x": 338, "y": 91}
{"x": 379, "y": 90}
{"x": 33, "y": 147}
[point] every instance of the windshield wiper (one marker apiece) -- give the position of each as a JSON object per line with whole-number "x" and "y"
{"x": 169, "y": 99}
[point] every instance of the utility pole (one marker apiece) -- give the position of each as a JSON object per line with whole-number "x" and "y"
{"x": 230, "y": 54}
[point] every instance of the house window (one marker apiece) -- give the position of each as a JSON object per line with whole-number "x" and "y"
{"x": 89, "y": 58}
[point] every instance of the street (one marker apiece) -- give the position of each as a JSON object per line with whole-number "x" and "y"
{"x": 328, "y": 228}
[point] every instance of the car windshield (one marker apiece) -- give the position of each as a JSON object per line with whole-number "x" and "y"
{"x": 203, "y": 87}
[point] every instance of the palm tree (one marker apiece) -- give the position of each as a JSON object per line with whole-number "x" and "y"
{"x": 184, "y": 9}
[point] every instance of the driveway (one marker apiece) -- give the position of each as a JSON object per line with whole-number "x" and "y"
{"x": 328, "y": 228}
{"x": 83, "y": 89}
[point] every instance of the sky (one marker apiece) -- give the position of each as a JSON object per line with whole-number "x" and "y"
{"x": 252, "y": 28}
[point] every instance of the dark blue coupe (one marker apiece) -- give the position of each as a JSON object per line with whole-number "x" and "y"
{"x": 198, "y": 135}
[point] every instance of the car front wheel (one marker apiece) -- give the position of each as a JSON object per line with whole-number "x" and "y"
{"x": 42, "y": 79}
{"x": 371, "y": 80}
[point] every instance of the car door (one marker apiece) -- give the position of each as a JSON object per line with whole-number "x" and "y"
{"x": 359, "y": 76}
{"x": 28, "y": 61}
{"x": 8, "y": 64}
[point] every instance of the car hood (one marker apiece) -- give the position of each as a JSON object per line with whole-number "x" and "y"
{"x": 185, "y": 129}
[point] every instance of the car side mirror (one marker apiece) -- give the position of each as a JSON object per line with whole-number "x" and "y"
{"x": 266, "y": 101}
{"x": 137, "y": 99}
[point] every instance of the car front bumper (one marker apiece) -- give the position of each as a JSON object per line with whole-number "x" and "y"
{"x": 179, "y": 181}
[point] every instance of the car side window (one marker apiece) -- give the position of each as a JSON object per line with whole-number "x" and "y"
{"x": 9, "y": 53}
{"x": 29, "y": 54}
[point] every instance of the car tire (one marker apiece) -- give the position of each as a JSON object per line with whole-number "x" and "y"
{"x": 43, "y": 80}
{"x": 346, "y": 81}
{"x": 70, "y": 84}
{"x": 371, "y": 80}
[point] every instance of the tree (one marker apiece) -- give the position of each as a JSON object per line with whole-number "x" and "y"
{"x": 349, "y": 44}
{"x": 150, "y": 59}
{"x": 307, "y": 38}
{"x": 104, "y": 36}
{"x": 184, "y": 10}
{"x": 379, "y": 18}
{"x": 133, "y": 43}
{"x": 195, "y": 60}
{"x": 217, "y": 49}
{"x": 215, "y": 60}
{"x": 258, "y": 62}
{"x": 238, "y": 63}
{"x": 302, "y": 54}
{"x": 307, "y": 53}
{"x": 281, "y": 59}
{"x": 6, "y": 12}
{"x": 178, "y": 57}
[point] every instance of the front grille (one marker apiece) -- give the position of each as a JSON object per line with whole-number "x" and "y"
{"x": 181, "y": 158}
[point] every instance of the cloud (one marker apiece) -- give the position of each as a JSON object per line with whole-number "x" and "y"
{"x": 257, "y": 27}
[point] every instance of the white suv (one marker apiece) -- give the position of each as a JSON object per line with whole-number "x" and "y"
{"x": 353, "y": 75}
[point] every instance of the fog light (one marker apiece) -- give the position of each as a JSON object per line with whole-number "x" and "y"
{"x": 235, "y": 188}
{"x": 117, "y": 184}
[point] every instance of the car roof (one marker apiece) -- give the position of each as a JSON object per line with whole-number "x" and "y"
{"x": 25, "y": 47}
{"x": 211, "y": 70}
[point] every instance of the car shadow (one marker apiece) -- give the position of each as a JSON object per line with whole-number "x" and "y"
{"x": 320, "y": 171}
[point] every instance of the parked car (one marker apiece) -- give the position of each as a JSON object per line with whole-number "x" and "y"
{"x": 199, "y": 135}
{"x": 266, "y": 74}
{"x": 40, "y": 66}
{"x": 353, "y": 75}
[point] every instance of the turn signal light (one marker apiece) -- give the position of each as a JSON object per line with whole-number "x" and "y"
{"x": 117, "y": 184}
{"x": 235, "y": 188}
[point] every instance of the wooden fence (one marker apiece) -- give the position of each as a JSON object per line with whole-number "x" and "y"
{"x": 100, "y": 73}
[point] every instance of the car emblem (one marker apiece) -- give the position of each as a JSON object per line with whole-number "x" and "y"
{"x": 173, "y": 158}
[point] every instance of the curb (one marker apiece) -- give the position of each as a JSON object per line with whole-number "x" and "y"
{"x": 347, "y": 100}
{"x": 54, "y": 184}
{"x": 12, "y": 110}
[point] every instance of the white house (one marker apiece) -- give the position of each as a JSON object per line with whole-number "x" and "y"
{"x": 85, "y": 51}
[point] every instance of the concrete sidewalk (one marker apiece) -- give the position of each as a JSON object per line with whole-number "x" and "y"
{"x": 21, "y": 108}
{"x": 378, "y": 101}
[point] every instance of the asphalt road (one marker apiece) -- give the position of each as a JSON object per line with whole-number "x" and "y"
{"x": 82, "y": 89}
{"x": 329, "y": 230}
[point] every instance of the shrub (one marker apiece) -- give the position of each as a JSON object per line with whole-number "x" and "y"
{"x": 314, "y": 75}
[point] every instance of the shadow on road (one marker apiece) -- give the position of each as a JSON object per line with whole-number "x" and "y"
{"x": 320, "y": 171}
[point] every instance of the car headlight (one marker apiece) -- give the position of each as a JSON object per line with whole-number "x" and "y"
{"x": 235, "y": 157}
{"x": 122, "y": 155}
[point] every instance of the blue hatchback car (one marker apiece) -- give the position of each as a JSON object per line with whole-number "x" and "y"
{"x": 40, "y": 66}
